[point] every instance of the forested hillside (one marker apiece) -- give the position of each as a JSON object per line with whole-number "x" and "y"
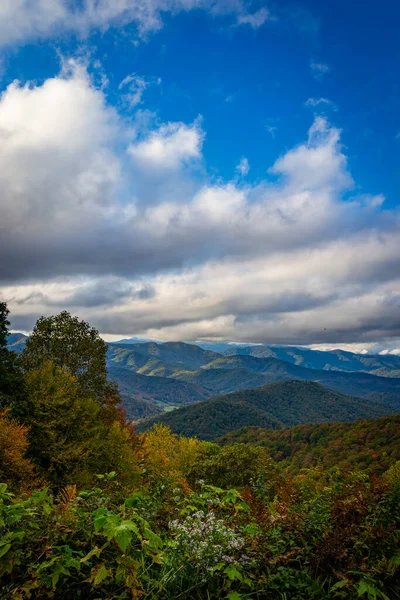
{"x": 373, "y": 445}
{"x": 145, "y": 396}
{"x": 276, "y": 405}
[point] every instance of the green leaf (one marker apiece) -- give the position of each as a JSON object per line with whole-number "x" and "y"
{"x": 233, "y": 573}
{"x": 4, "y": 549}
{"x": 96, "y": 551}
{"x": 218, "y": 567}
{"x": 339, "y": 584}
{"x": 395, "y": 560}
{"x": 102, "y": 573}
{"x": 134, "y": 500}
{"x": 123, "y": 539}
{"x": 155, "y": 542}
{"x": 234, "y": 596}
{"x": 372, "y": 592}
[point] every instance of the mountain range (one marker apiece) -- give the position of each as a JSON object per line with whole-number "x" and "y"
{"x": 157, "y": 377}
{"x": 210, "y": 373}
{"x": 384, "y": 365}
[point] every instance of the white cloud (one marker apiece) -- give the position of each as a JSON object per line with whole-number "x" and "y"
{"x": 319, "y": 69}
{"x": 319, "y": 164}
{"x": 169, "y": 147}
{"x": 287, "y": 260}
{"x": 24, "y": 20}
{"x": 256, "y": 19}
{"x": 133, "y": 86}
{"x": 314, "y": 102}
{"x": 55, "y": 150}
{"x": 243, "y": 167}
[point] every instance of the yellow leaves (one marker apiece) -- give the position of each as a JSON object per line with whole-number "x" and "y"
{"x": 168, "y": 455}
{"x": 67, "y": 498}
{"x": 100, "y": 573}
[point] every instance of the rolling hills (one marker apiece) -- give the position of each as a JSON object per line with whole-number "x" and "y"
{"x": 282, "y": 404}
{"x": 145, "y": 396}
{"x": 220, "y": 374}
{"x": 178, "y": 355}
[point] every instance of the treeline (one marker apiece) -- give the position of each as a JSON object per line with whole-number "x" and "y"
{"x": 89, "y": 509}
{"x": 372, "y": 445}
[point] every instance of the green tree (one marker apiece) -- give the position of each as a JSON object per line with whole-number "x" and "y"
{"x": 232, "y": 466}
{"x": 66, "y": 428}
{"x": 4, "y": 324}
{"x": 70, "y": 441}
{"x": 12, "y": 389}
{"x": 74, "y": 345}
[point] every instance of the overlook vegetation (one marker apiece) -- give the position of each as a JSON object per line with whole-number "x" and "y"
{"x": 91, "y": 509}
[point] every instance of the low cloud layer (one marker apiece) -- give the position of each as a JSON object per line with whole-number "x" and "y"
{"x": 122, "y": 225}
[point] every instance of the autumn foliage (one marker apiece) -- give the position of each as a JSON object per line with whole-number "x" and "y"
{"x": 89, "y": 509}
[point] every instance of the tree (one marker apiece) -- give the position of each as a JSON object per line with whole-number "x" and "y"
{"x": 16, "y": 470}
{"x": 69, "y": 439}
{"x": 12, "y": 389}
{"x": 167, "y": 455}
{"x": 74, "y": 345}
{"x": 4, "y": 324}
{"x": 232, "y": 466}
{"x": 64, "y": 427}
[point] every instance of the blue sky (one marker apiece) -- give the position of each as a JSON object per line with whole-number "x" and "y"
{"x": 185, "y": 109}
{"x": 251, "y": 85}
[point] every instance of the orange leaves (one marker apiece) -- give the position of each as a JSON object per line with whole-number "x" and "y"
{"x": 15, "y": 469}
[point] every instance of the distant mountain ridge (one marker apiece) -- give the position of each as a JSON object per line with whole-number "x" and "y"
{"x": 16, "y": 341}
{"x": 220, "y": 374}
{"x": 275, "y": 406}
{"x": 387, "y": 365}
{"x": 207, "y": 373}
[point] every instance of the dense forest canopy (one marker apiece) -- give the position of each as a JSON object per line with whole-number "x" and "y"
{"x": 273, "y": 406}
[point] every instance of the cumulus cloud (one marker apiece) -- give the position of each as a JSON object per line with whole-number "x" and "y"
{"x": 292, "y": 259}
{"x": 24, "y": 20}
{"x": 168, "y": 147}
